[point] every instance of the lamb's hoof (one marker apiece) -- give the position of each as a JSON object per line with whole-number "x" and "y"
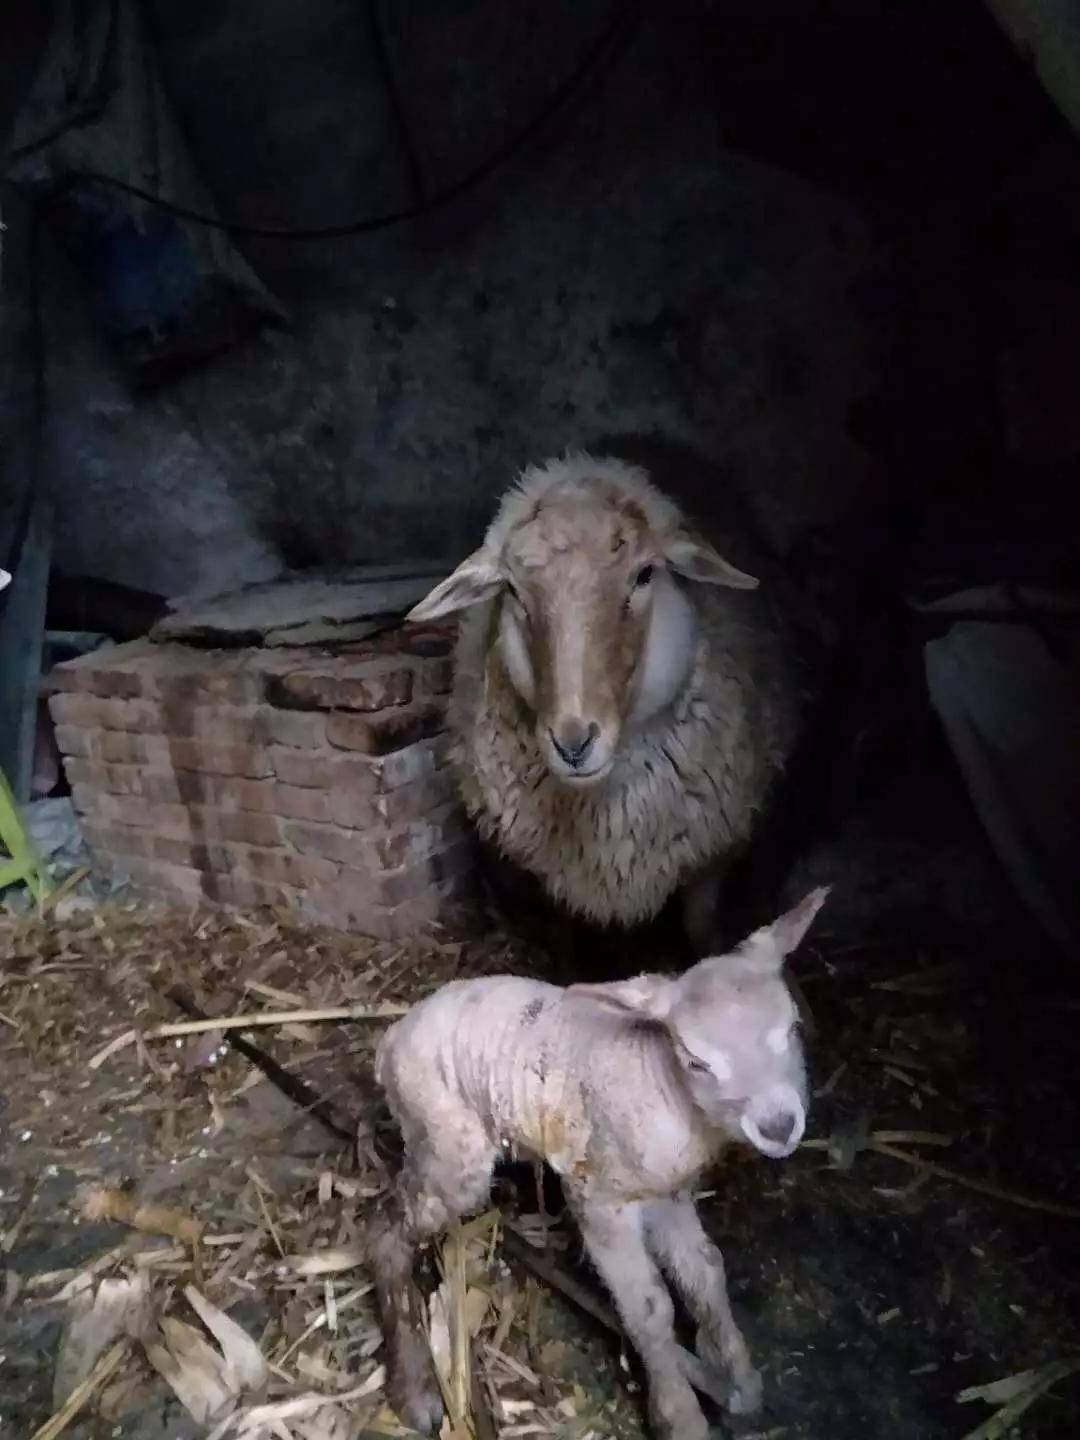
{"x": 421, "y": 1411}
{"x": 739, "y": 1378}
{"x": 676, "y": 1414}
{"x": 745, "y": 1395}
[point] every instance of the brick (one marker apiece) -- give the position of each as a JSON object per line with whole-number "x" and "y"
{"x": 221, "y": 724}
{"x": 417, "y": 800}
{"x": 113, "y": 779}
{"x": 433, "y": 638}
{"x": 436, "y": 677}
{"x": 177, "y": 675}
{"x": 241, "y": 827}
{"x": 208, "y": 757}
{"x": 72, "y": 740}
{"x": 292, "y": 802}
{"x": 234, "y": 792}
{"x": 385, "y": 922}
{"x": 117, "y": 747}
{"x": 414, "y": 842}
{"x": 281, "y": 867}
{"x": 105, "y": 842}
{"x": 422, "y": 763}
{"x": 348, "y": 847}
{"x": 175, "y": 881}
{"x": 417, "y": 762}
{"x": 203, "y": 756}
{"x": 178, "y": 822}
{"x": 246, "y": 893}
{"x": 387, "y": 731}
{"x": 228, "y": 726}
{"x": 326, "y": 770}
{"x": 301, "y": 729}
{"x": 91, "y": 712}
{"x": 372, "y": 685}
{"x": 112, "y": 672}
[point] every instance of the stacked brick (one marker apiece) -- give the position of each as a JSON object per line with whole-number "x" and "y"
{"x": 257, "y": 777}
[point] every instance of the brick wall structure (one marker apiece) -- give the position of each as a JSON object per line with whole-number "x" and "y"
{"x": 311, "y": 780}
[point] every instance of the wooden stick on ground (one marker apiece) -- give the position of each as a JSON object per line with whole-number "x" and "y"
{"x": 983, "y": 1187}
{"x": 382, "y": 1011}
{"x": 297, "y": 1090}
{"x": 109, "y": 1362}
{"x": 552, "y": 1275}
{"x": 1002, "y": 1421}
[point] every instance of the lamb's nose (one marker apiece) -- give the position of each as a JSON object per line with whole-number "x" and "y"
{"x": 778, "y": 1129}
{"x": 573, "y": 740}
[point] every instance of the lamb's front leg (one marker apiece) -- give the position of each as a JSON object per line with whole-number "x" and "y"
{"x": 615, "y": 1239}
{"x": 675, "y": 1236}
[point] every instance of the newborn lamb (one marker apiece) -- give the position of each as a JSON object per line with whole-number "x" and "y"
{"x": 629, "y": 1091}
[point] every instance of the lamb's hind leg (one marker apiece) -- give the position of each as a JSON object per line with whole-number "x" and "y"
{"x": 440, "y": 1181}
{"x": 614, "y": 1238}
{"x": 675, "y": 1236}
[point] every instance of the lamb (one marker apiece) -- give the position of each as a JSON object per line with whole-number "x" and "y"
{"x": 622, "y": 702}
{"x": 629, "y": 1090}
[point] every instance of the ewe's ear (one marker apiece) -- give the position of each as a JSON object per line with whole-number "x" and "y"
{"x": 688, "y": 555}
{"x": 475, "y": 579}
{"x": 649, "y": 996}
{"x": 773, "y": 943}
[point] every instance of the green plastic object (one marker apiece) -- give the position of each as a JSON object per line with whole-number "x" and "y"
{"x": 22, "y": 861}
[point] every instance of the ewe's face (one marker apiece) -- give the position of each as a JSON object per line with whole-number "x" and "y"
{"x": 592, "y": 629}
{"x": 574, "y": 624}
{"x": 736, "y": 1038}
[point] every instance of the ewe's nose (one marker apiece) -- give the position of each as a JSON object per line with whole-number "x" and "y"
{"x": 573, "y": 739}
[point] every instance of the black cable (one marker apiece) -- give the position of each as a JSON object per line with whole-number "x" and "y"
{"x": 614, "y": 33}
{"x": 298, "y": 1091}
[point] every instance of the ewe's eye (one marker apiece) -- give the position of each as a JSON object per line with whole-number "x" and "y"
{"x": 699, "y": 1067}
{"x": 643, "y": 576}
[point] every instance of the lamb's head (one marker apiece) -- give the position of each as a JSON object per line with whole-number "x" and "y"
{"x": 732, "y": 1026}
{"x": 593, "y": 630}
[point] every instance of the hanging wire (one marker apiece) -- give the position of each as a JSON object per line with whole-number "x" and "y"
{"x": 608, "y": 44}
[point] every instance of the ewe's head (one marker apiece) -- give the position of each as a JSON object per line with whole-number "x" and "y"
{"x": 732, "y": 1025}
{"x": 593, "y": 629}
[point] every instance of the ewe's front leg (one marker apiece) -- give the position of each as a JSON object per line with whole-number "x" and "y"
{"x": 675, "y": 1236}
{"x": 614, "y": 1238}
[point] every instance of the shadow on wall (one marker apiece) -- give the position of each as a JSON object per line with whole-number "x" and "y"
{"x": 639, "y": 278}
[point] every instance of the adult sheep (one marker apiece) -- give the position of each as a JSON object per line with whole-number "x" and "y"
{"x": 624, "y": 696}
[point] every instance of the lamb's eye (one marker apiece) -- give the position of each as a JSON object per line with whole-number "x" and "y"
{"x": 512, "y": 591}
{"x": 643, "y": 576}
{"x": 699, "y": 1067}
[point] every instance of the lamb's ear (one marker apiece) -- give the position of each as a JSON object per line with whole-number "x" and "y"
{"x": 773, "y": 943}
{"x": 650, "y": 996}
{"x": 475, "y": 579}
{"x": 5, "y": 579}
{"x": 688, "y": 555}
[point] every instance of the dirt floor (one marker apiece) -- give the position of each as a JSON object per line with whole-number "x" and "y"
{"x": 872, "y": 1290}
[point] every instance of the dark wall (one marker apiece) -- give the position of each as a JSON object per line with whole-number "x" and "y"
{"x": 634, "y": 274}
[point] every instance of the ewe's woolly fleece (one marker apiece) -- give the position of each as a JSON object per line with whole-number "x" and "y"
{"x": 684, "y": 787}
